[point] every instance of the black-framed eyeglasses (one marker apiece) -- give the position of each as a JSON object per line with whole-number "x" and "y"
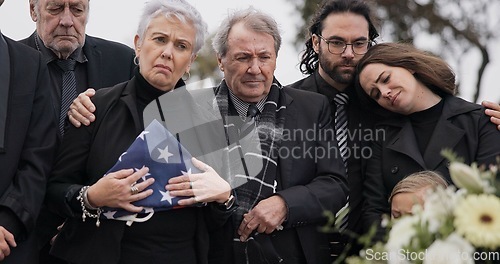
{"x": 338, "y": 47}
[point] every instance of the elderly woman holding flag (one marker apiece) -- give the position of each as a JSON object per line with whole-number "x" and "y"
{"x": 94, "y": 195}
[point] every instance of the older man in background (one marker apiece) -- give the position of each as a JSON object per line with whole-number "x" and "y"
{"x": 84, "y": 61}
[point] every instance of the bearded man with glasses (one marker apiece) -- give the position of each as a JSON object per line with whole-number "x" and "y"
{"x": 331, "y": 65}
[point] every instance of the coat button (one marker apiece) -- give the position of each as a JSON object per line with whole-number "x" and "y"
{"x": 394, "y": 169}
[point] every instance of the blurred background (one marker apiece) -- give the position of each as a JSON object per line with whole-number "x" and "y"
{"x": 466, "y": 33}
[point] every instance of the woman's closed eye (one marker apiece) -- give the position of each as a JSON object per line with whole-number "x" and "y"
{"x": 386, "y": 79}
{"x": 375, "y": 93}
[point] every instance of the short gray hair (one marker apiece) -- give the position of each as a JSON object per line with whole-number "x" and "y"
{"x": 173, "y": 8}
{"x": 36, "y": 5}
{"x": 254, "y": 20}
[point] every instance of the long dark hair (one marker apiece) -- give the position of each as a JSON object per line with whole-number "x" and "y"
{"x": 429, "y": 69}
{"x": 309, "y": 61}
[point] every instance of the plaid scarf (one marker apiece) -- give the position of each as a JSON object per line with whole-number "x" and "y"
{"x": 251, "y": 163}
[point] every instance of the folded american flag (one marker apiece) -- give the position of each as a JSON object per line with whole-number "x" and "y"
{"x": 157, "y": 149}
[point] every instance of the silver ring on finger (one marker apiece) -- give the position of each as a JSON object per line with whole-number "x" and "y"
{"x": 191, "y": 185}
{"x": 134, "y": 189}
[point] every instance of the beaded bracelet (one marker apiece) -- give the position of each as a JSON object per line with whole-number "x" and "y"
{"x": 82, "y": 198}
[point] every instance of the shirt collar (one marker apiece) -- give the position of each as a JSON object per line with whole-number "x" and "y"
{"x": 242, "y": 106}
{"x": 50, "y": 56}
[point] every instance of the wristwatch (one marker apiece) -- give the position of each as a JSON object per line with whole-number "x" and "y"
{"x": 229, "y": 203}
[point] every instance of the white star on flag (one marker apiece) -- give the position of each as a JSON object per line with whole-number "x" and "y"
{"x": 164, "y": 154}
{"x": 123, "y": 154}
{"x": 166, "y": 196}
{"x": 145, "y": 175}
{"x": 109, "y": 214}
{"x": 186, "y": 173}
{"x": 141, "y": 135}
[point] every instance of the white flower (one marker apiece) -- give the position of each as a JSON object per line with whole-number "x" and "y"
{"x": 477, "y": 218}
{"x": 402, "y": 232}
{"x": 467, "y": 177}
{"x": 438, "y": 207}
{"x": 454, "y": 249}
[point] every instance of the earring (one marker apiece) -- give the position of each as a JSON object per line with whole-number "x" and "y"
{"x": 189, "y": 76}
{"x": 136, "y": 61}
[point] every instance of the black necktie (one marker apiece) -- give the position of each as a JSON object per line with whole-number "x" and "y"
{"x": 341, "y": 129}
{"x": 68, "y": 90}
{"x": 253, "y": 111}
{"x": 341, "y": 125}
{"x": 249, "y": 123}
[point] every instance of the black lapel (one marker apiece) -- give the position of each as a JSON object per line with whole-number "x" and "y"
{"x": 4, "y": 88}
{"x": 445, "y": 135}
{"x": 406, "y": 143}
{"x": 309, "y": 83}
{"x": 286, "y": 164}
{"x": 94, "y": 67}
{"x": 129, "y": 98}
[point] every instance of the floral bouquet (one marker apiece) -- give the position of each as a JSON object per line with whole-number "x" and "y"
{"x": 453, "y": 226}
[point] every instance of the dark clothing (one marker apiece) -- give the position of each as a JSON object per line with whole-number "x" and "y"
{"x": 161, "y": 238}
{"x": 308, "y": 185}
{"x": 423, "y": 124}
{"x": 28, "y": 145}
{"x": 102, "y": 63}
{"x": 55, "y": 71}
{"x": 86, "y": 155}
{"x": 462, "y": 127}
{"x": 360, "y": 135}
{"x": 145, "y": 95}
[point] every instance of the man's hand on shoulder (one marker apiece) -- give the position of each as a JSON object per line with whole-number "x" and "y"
{"x": 493, "y": 110}
{"x": 82, "y": 109}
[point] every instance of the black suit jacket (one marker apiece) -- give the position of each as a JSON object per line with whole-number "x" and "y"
{"x": 310, "y": 185}
{"x": 109, "y": 63}
{"x": 29, "y": 144}
{"x": 462, "y": 127}
{"x": 360, "y": 124}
